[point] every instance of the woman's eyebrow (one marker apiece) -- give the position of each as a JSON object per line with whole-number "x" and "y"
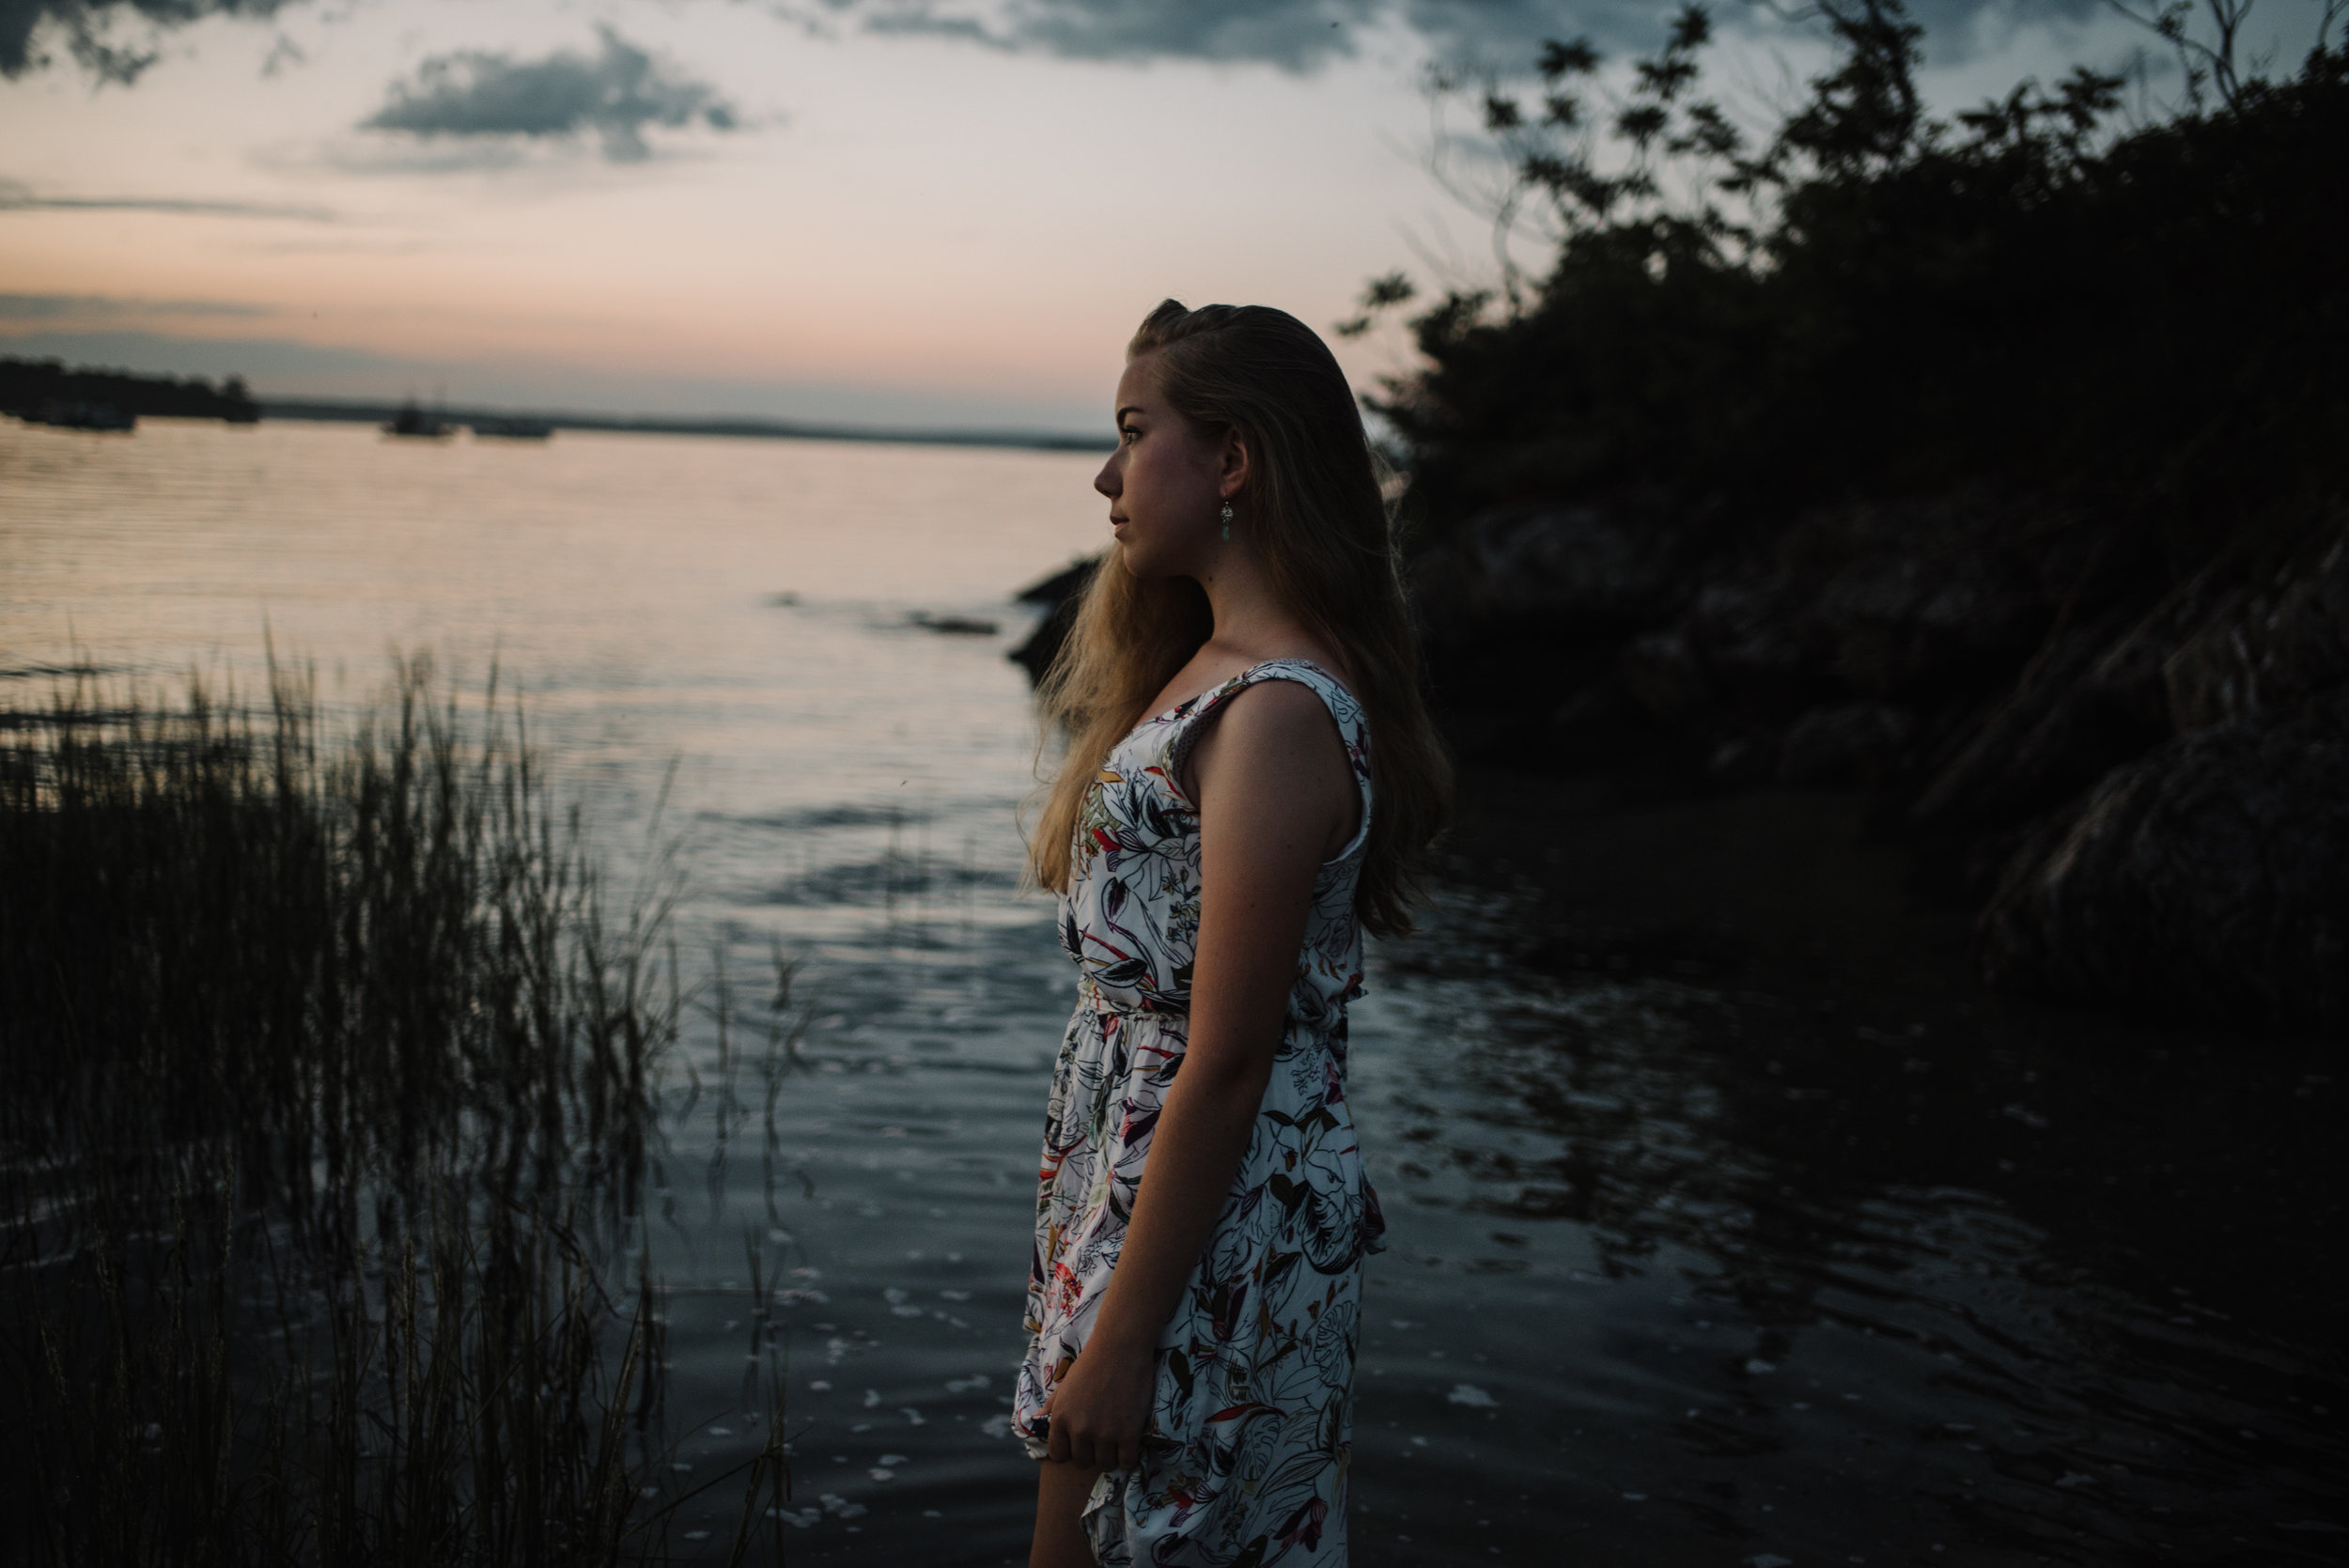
{"x": 1131, "y": 408}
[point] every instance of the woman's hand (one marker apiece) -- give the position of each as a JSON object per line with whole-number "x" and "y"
{"x": 1101, "y": 1406}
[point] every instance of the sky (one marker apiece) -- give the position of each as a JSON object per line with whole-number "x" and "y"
{"x": 900, "y": 213}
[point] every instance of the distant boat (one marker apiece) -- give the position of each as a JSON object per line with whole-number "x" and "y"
{"x": 412, "y": 421}
{"x": 512, "y": 427}
{"x": 83, "y": 416}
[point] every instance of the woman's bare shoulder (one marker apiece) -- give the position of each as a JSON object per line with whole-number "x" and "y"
{"x": 1274, "y": 707}
{"x": 1277, "y": 748}
{"x": 1284, "y": 722}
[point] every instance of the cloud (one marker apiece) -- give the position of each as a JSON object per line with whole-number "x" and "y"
{"x": 16, "y": 196}
{"x": 473, "y": 94}
{"x": 94, "y": 31}
{"x": 1296, "y": 35}
{"x": 98, "y": 308}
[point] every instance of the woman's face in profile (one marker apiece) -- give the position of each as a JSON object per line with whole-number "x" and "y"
{"x": 1162, "y": 481}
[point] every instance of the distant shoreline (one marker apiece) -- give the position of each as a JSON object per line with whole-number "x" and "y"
{"x": 760, "y": 429}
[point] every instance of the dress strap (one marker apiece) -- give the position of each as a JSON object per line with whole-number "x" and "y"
{"x": 1345, "y": 709}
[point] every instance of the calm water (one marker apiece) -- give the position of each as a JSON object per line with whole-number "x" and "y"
{"x": 1732, "y": 1224}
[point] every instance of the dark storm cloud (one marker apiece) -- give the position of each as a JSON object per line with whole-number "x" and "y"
{"x": 112, "y": 40}
{"x": 1298, "y": 34}
{"x": 616, "y": 94}
{"x": 115, "y": 40}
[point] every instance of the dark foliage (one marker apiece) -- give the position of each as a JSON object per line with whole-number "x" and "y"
{"x": 1877, "y": 303}
{"x": 29, "y": 386}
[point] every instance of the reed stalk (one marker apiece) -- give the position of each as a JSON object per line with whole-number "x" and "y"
{"x": 326, "y": 1080}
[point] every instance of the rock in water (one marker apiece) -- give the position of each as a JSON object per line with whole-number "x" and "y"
{"x": 2210, "y": 876}
{"x": 1844, "y": 743}
{"x": 1058, "y": 593}
{"x": 1522, "y": 607}
{"x": 1926, "y": 607}
{"x": 2269, "y": 646}
{"x": 2092, "y": 700}
{"x": 1574, "y": 570}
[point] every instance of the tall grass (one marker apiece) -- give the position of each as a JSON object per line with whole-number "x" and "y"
{"x": 326, "y": 1076}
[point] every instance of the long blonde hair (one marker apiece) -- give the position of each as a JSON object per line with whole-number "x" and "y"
{"x": 1314, "y": 511}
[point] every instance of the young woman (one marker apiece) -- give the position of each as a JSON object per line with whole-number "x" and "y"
{"x": 1250, "y": 781}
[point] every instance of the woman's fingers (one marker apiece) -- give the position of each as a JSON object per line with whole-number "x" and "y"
{"x": 1078, "y": 1435}
{"x": 1096, "y": 1451}
{"x": 1071, "y": 1444}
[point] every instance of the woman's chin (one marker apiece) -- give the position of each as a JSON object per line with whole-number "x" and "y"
{"x": 1148, "y": 558}
{"x": 1138, "y": 558}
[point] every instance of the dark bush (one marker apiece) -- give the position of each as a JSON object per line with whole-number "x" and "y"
{"x": 1877, "y": 303}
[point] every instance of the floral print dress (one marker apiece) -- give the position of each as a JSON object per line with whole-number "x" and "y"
{"x": 1244, "y": 1459}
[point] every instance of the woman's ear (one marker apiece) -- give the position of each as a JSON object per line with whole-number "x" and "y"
{"x": 1231, "y": 471}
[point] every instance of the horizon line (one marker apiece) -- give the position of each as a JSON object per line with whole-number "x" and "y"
{"x": 340, "y": 410}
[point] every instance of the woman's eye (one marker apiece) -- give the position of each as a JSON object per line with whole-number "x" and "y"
{"x": 1129, "y": 433}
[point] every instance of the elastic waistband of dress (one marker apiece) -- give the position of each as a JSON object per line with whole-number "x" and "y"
{"x": 1091, "y": 996}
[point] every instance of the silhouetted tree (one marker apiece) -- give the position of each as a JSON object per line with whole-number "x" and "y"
{"x": 1870, "y": 299}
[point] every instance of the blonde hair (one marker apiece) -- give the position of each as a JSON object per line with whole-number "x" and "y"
{"x": 1314, "y": 514}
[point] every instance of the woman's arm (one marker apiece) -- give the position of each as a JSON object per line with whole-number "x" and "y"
{"x": 1275, "y": 794}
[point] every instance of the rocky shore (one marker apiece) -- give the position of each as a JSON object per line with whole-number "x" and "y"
{"x": 2139, "y": 779}
{"x": 2142, "y": 780}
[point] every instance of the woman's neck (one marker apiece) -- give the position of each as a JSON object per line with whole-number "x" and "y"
{"x": 1249, "y": 617}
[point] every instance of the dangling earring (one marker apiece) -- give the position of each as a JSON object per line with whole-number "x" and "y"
{"x": 1227, "y": 520}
